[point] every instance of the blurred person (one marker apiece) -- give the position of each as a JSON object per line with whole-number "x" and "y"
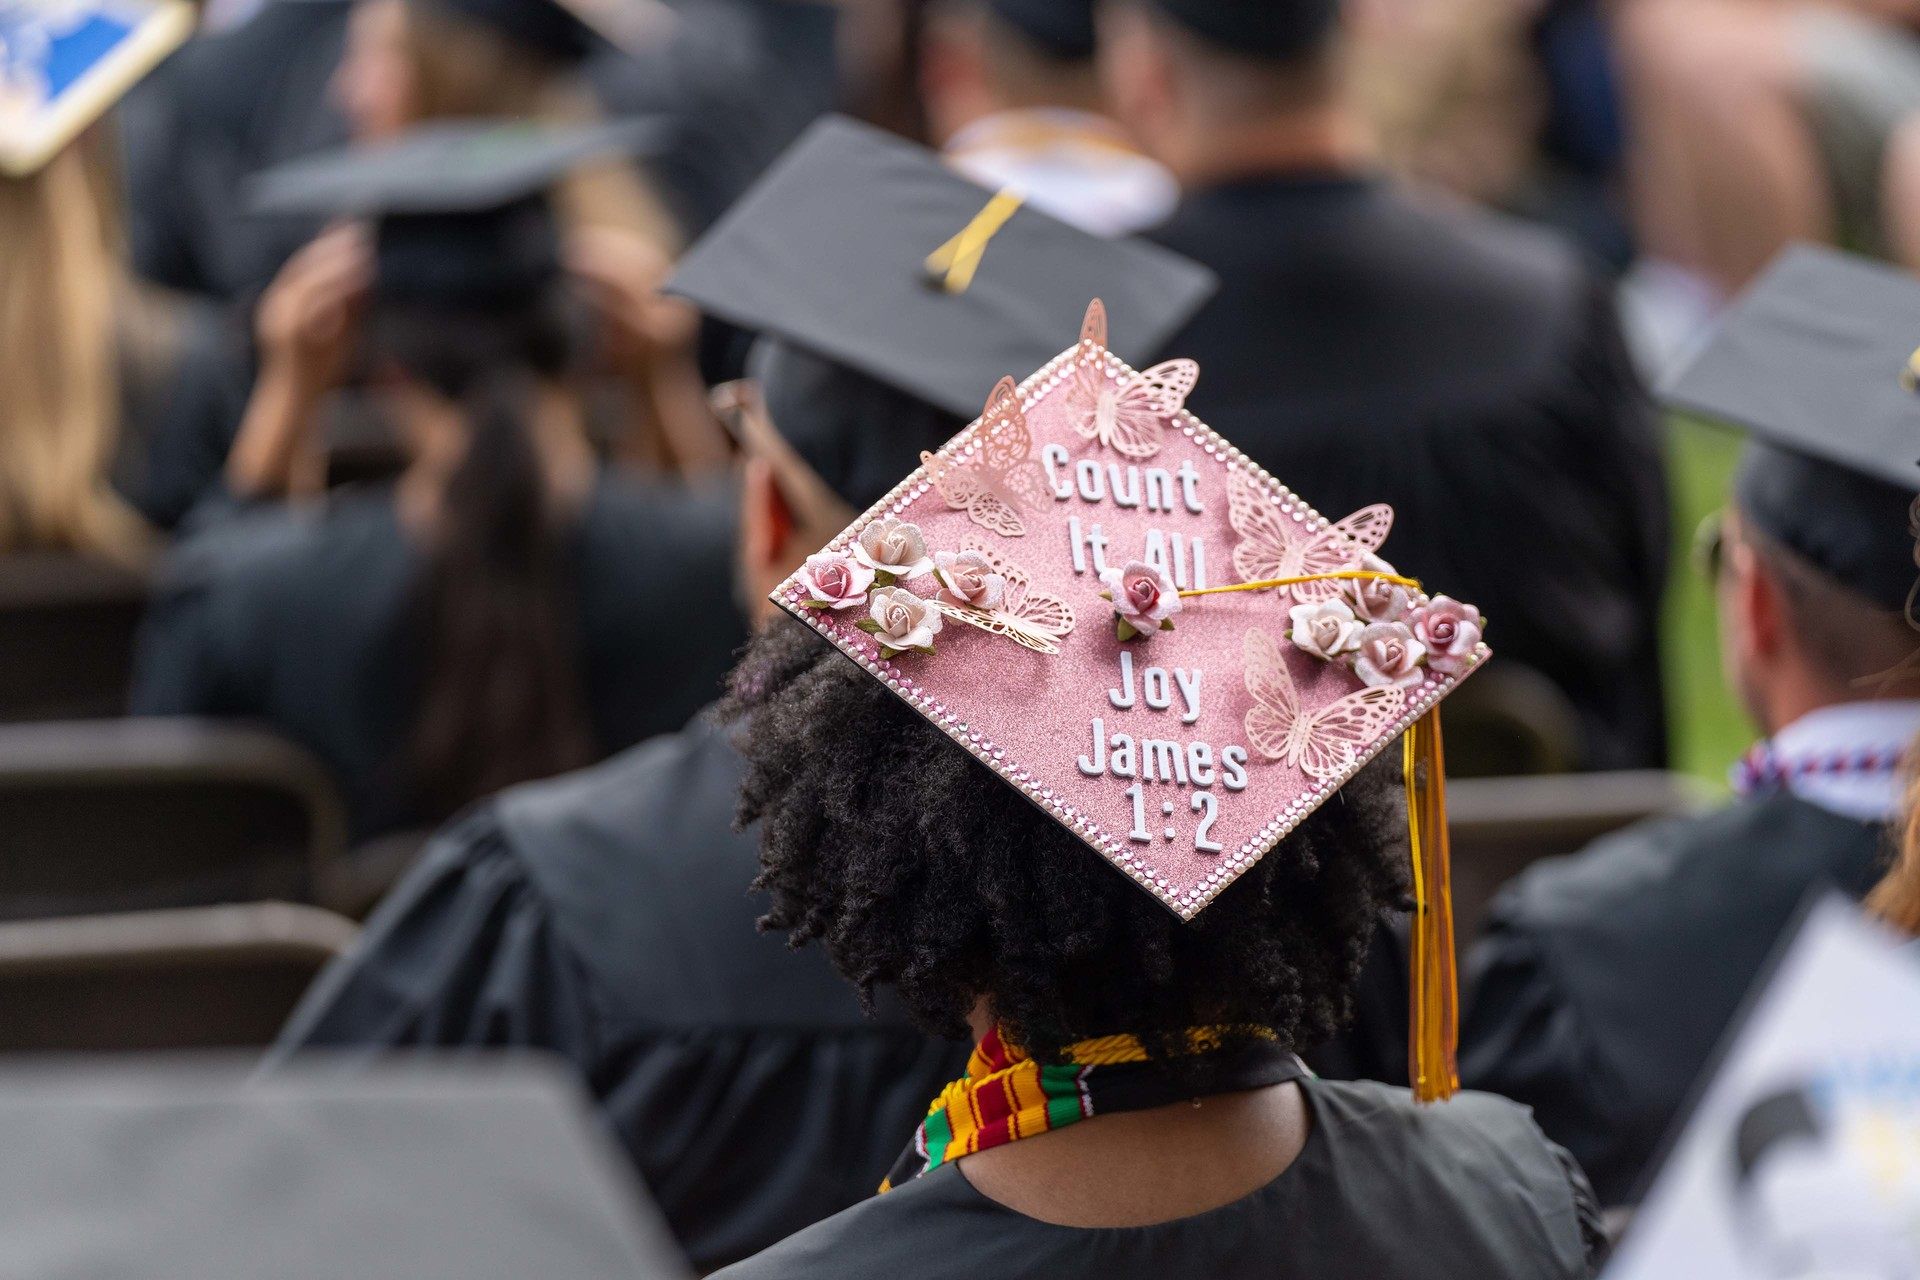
{"x": 1605, "y": 980}
{"x": 490, "y": 616}
{"x": 1013, "y": 99}
{"x": 1756, "y": 123}
{"x": 1373, "y": 343}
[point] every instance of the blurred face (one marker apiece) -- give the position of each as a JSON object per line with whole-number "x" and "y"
{"x": 1134, "y": 74}
{"x": 374, "y": 84}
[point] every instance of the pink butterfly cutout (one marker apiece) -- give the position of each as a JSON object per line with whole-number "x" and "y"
{"x": 1039, "y": 620}
{"x": 998, "y": 480}
{"x": 1323, "y": 743}
{"x": 1273, "y": 545}
{"x": 1130, "y": 415}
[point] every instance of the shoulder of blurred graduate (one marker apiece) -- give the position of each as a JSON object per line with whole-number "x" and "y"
{"x": 646, "y": 879}
{"x": 1677, "y": 874}
{"x": 1472, "y": 1188}
{"x": 1366, "y": 254}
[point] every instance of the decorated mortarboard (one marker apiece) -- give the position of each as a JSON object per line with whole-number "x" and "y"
{"x": 568, "y": 30}
{"x": 65, "y": 62}
{"x": 460, "y": 207}
{"x": 1817, "y": 361}
{"x": 1156, "y": 642}
{"x": 873, "y": 253}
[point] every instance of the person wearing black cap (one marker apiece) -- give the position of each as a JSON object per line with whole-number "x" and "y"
{"x": 1376, "y": 344}
{"x": 1605, "y": 980}
{"x": 497, "y": 614}
{"x": 1013, "y": 100}
{"x": 604, "y": 917}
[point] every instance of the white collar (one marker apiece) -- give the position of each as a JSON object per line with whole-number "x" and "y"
{"x": 1887, "y": 725}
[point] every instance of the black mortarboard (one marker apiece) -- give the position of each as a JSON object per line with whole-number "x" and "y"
{"x": 839, "y": 249}
{"x": 563, "y": 30}
{"x": 485, "y": 1171}
{"x": 461, "y": 209}
{"x": 1815, "y": 361}
{"x": 1059, "y": 28}
{"x": 1273, "y": 29}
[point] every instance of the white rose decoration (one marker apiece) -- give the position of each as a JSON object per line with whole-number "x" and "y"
{"x": 1325, "y": 630}
{"x": 900, "y": 620}
{"x": 894, "y": 547}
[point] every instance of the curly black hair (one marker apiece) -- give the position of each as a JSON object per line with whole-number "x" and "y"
{"x": 919, "y": 870}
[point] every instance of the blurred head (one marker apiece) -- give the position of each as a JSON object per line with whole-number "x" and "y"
{"x": 485, "y": 400}
{"x": 919, "y": 870}
{"x": 59, "y": 389}
{"x": 975, "y": 62}
{"x": 1793, "y": 639}
{"x": 1200, "y": 103}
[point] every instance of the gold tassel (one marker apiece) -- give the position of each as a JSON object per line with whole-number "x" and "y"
{"x": 952, "y": 265}
{"x": 1435, "y": 988}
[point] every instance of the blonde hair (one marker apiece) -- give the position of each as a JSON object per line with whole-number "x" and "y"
{"x": 59, "y": 380}
{"x": 463, "y": 68}
{"x": 1896, "y": 899}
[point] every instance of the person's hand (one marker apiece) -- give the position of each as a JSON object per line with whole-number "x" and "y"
{"x": 620, "y": 274}
{"x": 309, "y": 315}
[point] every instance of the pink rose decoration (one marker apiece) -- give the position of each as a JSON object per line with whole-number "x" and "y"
{"x": 894, "y": 546}
{"x": 1143, "y": 595}
{"x": 1450, "y": 631}
{"x": 967, "y": 579}
{"x": 1375, "y": 600}
{"x": 901, "y": 620}
{"x": 1389, "y": 654}
{"x": 835, "y": 581}
{"x": 1325, "y": 630}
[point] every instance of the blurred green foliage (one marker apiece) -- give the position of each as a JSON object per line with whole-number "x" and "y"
{"x": 1709, "y": 731}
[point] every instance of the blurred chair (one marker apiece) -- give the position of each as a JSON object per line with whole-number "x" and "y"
{"x": 1509, "y": 721}
{"x": 67, "y": 625}
{"x": 203, "y": 977}
{"x": 1500, "y": 826}
{"x": 131, "y": 814}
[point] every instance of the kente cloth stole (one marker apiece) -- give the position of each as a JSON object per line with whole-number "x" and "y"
{"x": 1006, "y": 1095}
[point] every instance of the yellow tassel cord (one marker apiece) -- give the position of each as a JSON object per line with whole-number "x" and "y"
{"x": 1434, "y": 1033}
{"x": 1434, "y": 1012}
{"x": 954, "y": 262}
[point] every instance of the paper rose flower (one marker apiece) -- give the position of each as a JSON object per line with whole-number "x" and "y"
{"x": 901, "y": 620}
{"x": 1376, "y": 600}
{"x": 1144, "y": 598}
{"x": 1325, "y": 630}
{"x": 894, "y": 550}
{"x": 834, "y": 581}
{"x": 967, "y": 579}
{"x": 1388, "y": 654}
{"x": 1450, "y": 631}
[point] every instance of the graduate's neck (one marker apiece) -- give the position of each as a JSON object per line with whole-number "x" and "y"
{"x": 1325, "y": 139}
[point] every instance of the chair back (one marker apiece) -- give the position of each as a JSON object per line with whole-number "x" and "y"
{"x": 200, "y": 978}
{"x": 67, "y": 626}
{"x": 120, "y": 815}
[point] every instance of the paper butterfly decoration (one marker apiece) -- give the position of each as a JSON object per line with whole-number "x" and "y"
{"x": 1128, "y": 416}
{"x": 998, "y": 481}
{"x": 1272, "y": 545}
{"x": 1322, "y": 743}
{"x": 1037, "y": 619}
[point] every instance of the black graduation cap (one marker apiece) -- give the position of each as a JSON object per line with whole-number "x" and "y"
{"x": 1275, "y": 29}
{"x": 566, "y": 30}
{"x": 461, "y": 208}
{"x": 1061, "y": 29}
{"x": 484, "y": 1170}
{"x": 872, "y": 253}
{"x": 1816, "y": 361}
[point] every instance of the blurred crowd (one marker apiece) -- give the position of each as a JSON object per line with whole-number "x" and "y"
{"x": 444, "y": 387}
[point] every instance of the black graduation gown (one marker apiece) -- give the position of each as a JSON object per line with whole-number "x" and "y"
{"x": 221, "y": 109}
{"x": 1604, "y": 981}
{"x": 303, "y": 620}
{"x": 1368, "y": 347}
{"x": 605, "y": 916}
{"x": 181, "y": 407}
{"x": 1382, "y": 1190}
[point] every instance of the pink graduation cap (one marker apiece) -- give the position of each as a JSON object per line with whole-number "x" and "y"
{"x": 1154, "y": 640}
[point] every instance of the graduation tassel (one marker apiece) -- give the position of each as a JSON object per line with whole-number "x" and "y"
{"x": 1434, "y": 985}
